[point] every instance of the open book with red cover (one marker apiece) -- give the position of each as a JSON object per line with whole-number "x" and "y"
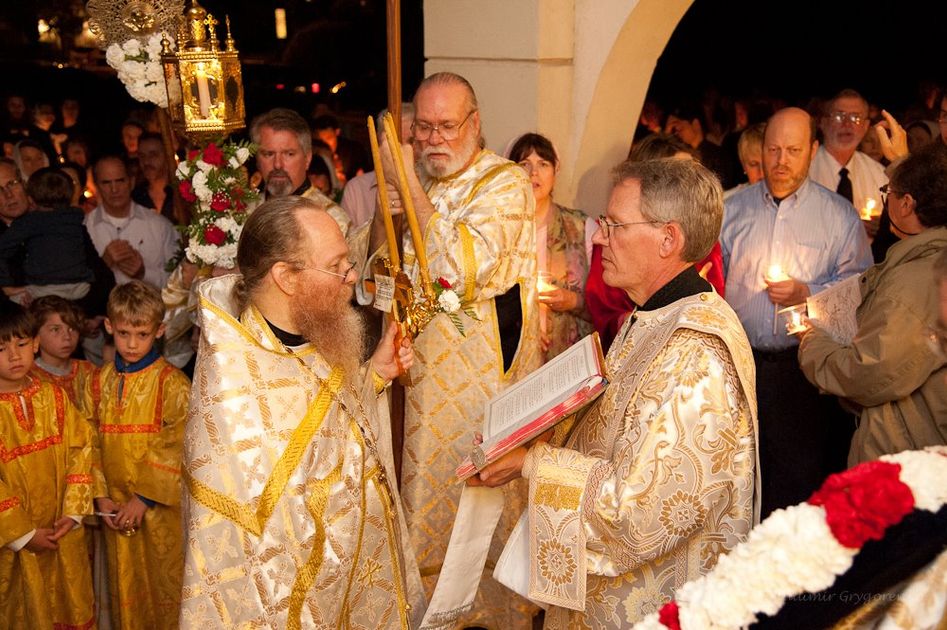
{"x": 549, "y": 395}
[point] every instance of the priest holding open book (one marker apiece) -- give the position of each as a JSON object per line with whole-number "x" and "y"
{"x": 660, "y": 475}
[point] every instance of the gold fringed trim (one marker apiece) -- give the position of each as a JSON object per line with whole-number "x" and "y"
{"x": 306, "y": 576}
{"x": 470, "y": 262}
{"x": 242, "y": 514}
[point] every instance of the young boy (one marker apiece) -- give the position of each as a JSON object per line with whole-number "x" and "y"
{"x": 140, "y": 405}
{"x": 45, "y": 489}
{"x": 59, "y": 322}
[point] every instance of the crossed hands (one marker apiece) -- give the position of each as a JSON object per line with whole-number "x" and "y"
{"x": 125, "y": 515}
{"x": 45, "y": 537}
{"x": 119, "y": 254}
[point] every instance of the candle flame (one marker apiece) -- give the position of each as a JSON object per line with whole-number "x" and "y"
{"x": 776, "y": 273}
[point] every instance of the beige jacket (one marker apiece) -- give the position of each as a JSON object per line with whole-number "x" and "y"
{"x": 889, "y": 369}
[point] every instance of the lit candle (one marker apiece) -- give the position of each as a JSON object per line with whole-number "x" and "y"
{"x": 543, "y": 285}
{"x": 203, "y": 91}
{"x": 775, "y": 273}
{"x": 868, "y": 212}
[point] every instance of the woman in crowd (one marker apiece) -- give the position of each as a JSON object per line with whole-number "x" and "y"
{"x": 563, "y": 241}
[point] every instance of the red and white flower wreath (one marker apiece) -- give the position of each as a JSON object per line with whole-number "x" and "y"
{"x": 803, "y": 548}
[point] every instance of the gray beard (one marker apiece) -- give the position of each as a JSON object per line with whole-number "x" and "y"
{"x": 335, "y": 330}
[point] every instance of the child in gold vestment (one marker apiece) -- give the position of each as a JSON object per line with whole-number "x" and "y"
{"x": 58, "y": 326}
{"x": 45, "y": 490}
{"x": 140, "y": 405}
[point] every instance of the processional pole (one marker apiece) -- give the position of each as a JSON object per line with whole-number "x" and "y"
{"x": 393, "y": 14}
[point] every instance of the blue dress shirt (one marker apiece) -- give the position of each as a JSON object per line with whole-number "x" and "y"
{"x": 814, "y": 234}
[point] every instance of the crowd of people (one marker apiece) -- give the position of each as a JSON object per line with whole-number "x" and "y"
{"x": 187, "y": 449}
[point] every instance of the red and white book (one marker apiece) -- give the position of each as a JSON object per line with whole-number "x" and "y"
{"x": 532, "y": 406}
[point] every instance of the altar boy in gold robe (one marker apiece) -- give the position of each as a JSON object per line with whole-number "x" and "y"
{"x": 45, "y": 489}
{"x": 140, "y": 403}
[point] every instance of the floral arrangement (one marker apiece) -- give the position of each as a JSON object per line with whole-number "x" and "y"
{"x": 803, "y": 548}
{"x": 213, "y": 181}
{"x": 449, "y": 303}
{"x": 139, "y": 68}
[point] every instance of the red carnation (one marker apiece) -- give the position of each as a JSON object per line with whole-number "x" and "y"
{"x": 213, "y": 155}
{"x": 193, "y": 154}
{"x": 668, "y": 615}
{"x": 219, "y": 202}
{"x": 863, "y": 501}
{"x": 239, "y": 206}
{"x": 187, "y": 192}
{"x": 214, "y": 235}
{"x": 444, "y": 283}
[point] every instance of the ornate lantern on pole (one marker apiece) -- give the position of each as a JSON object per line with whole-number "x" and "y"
{"x": 204, "y": 83}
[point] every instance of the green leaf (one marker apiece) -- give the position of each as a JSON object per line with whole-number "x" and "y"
{"x": 459, "y": 325}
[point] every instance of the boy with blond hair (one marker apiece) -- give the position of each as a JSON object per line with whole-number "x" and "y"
{"x": 140, "y": 405}
{"x": 45, "y": 490}
{"x": 58, "y": 323}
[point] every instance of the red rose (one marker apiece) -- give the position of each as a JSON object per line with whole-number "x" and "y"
{"x": 213, "y": 155}
{"x": 668, "y": 615}
{"x": 863, "y": 501}
{"x": 219, "y": 202}
{"x": 444, "y": 283}
{"x": 193, "y": 154}
{"x": 239, "y": 206}
{"x": 187, "y": 193}
{"x": 236, "y": 192}
{"x": 214, "y": 235}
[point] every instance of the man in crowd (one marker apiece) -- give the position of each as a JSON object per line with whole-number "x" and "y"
{"x": 659, "y": 476}
{"x": 292, "y": 514}
{"x": 889, "y": 369}
{"x": 13, "y": 199}
{"x": 347, "y": 154}
{"x": 685, "y": 123}
{"x": 155, "y": 190}
{"x": 476, "y": 212}
{"x": 784, "y": 239}
{"x": 283, "y": 159}
{"x": 134, "y": 242}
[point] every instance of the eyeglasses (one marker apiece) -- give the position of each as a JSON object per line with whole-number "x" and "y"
{"x": 888, "y": 190}
{"x": 11, "y": 185}
{"x": 448, "y": 131}
{"x": 852, "y": 117}
{"x": 606, "y": 227}
{"x": 344, "y": 275}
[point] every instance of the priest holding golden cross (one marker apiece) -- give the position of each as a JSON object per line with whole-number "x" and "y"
{"x": 470, "y": 214}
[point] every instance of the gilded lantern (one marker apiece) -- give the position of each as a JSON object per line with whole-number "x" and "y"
{"x": 205, "y": 88}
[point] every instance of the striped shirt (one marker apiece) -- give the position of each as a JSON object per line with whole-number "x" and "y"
{"x": 814, "y": 234}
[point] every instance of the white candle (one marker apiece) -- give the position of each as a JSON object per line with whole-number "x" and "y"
{"x": 543, "y": 285}
{"x": 203, "y": 91}
{"x": 775, "y": 273}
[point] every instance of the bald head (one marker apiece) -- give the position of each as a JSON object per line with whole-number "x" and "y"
{"x": 788, "y": 146}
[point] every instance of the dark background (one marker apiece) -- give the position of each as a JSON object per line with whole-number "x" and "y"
{"x": 792, "y": 51}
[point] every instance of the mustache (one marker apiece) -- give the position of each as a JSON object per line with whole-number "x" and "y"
{"x": 278, "y": 172}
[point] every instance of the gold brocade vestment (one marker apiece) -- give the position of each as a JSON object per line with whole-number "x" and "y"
{"x": 482, "y": 241}
{"x": 657, "y": 479}
{"x": 290, "y": 520}
{"x": 45, "y": 474}
{"x": 76, "y": 383}
{"x": 140, "y": 417}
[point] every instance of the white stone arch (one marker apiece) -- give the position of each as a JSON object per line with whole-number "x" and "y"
{"x": 575, "y": 70}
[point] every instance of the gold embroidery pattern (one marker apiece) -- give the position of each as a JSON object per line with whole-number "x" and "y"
{"x": 254, "y": 520}
{"x": 556, "y": 562}
{"x": 682, "y": 514}
{"x": 558, "y": 497}
{"x": 316, "y": 503}
{"x": 470, "y": 262}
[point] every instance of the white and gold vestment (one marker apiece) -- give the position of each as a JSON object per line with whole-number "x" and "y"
{"x": 657, "y": 479}
{"x": 482, "y": 241}
{"x": 290, "y": 519}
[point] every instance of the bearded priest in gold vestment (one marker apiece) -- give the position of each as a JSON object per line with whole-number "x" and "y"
{"x": 658, "y": 477}
{"x": 475, "y": 210}
{"x": 292, "y": 519}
